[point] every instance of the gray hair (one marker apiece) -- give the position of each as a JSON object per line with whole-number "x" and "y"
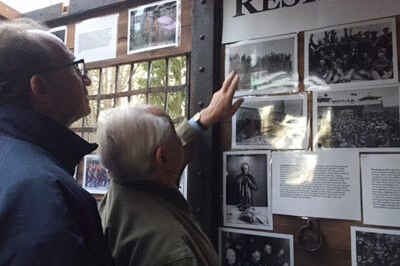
{"x": 21, "y": 55}
{"x": 128, "y": 137}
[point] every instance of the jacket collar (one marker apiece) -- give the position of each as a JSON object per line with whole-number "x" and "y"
{"x": 25, "y": 124}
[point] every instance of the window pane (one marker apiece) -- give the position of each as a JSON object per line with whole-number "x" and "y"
{"x": 157, "y": 99}
{"x": 176, "y": 104}
{"x": 77, "y": 124}
{"x": 121, "y": 101}
{"x": 139, "y": 76}
{"x": 123, "y": 78}
{"x": 106, "y": 104}
{"x": 94, "y": 76}
{"x": 138, "y": 99}
{"x": 157, "y": 73}
{"x": 108, "y": 80}
{"x": 177, "y": 71}
{"x": 91, "y": 119}
{"x": 91, "y": 137}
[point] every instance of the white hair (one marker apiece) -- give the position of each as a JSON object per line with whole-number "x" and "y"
{"x": 128, "y": 137}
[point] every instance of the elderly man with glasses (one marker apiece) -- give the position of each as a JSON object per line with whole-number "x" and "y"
{"x": 45, "y": 217}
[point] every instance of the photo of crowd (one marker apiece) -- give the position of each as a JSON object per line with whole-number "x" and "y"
{"x": 245, "y": 248}
{"x": 358, "y": 118}
{"x": 247, "y": 188}
{"x": 271, "y": 123}
{"x": 268, "y": 65}
{"x": 95, "y": 176}
{"x": 377, "y": 248}
{"x": 154, "y": 26}
{"x": 359, "y": 53}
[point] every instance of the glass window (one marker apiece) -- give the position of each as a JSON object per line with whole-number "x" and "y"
{"x": 138, "y": 99}
{"x": 176, "y": 105}
{"x": 177, "y": 71}
{"x": 94, "y": 76}
{"x": 124, "y": 72}
{"x": 121, "y": 101}
{"x": 77, "y": 124}
{"x": 91, "y": 119}
{"x": 106, "y": 104}
{"x": 158, "y": 73}
{"x": 139, "y": 76}
{"x": 157, "y": 99}
{"x": 108, "y": 76}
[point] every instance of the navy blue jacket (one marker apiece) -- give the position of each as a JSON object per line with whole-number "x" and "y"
{"x": 45, "y": 217}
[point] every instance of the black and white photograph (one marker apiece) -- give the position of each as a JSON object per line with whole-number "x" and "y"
{"x": 364, "y": 119}
{"x": 95, "y": 177}
{"x": 375, "y": 247}
{"x": 361, "y": 54}
{"x": 275, "y": 122}
{"x": 247, "y": 189}
{"x": 154, "y": 26}
{"x": 246, "y": 247}
{"x": 61, "y": 33}
{"x": 264, "y": 65}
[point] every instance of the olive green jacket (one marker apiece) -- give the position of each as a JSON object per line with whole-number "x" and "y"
{"x": 146, "y": 224}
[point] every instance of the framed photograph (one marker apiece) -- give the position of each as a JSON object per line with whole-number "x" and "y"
{"x": 275, "y": 122}
{"x": 363, "y": 119}
{"x": 264, "y": 65}
{"x": 154, "y": 26}
{"x": 360, "y": 54}
{"x": 95, "y": 176}
{"x": 374, "y": 247}
{"x": 247, "y": 189}
{"x": 61, "y": 32}
{"x": 246, "y": 247}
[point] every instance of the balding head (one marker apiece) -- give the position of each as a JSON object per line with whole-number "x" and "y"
{"x": 21, "y": 55}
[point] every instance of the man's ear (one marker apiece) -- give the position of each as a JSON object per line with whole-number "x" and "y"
{"x": 39, "y": 90}
{"x": 160, "y": 156}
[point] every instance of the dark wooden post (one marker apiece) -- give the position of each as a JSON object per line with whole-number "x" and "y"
{"x": 204, "y": 178}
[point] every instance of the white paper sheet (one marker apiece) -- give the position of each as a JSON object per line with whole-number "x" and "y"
{"x": 380, "y": 175}
{"x": 324, "y": 184}
{"x": 96, "y": 38}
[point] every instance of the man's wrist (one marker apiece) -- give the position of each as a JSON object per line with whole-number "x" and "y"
{"x": 197, "y": 119}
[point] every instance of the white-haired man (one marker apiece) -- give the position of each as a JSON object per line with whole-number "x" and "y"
{"x": 145, "y": 218}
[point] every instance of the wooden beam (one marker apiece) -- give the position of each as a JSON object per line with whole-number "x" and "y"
{"x": 8, "y": 12}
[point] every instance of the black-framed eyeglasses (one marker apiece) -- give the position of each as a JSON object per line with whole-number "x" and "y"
{"x": 79, "y": 66}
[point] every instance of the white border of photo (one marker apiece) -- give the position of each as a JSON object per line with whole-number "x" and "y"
{"x": 177, "y": 29}
{"x": 89, "y": 189}
{"x": 360, "y": 149}
{"x": 288, "y": 86}
{"x": 319, "y": 85}
{"x": 52, "y": 30}
{"x": 257, "y": 234}
{"x": 305, "y": 130}
{"x": 269, "y": 217}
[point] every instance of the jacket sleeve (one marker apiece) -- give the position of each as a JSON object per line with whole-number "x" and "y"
{"x": 188, "y": 135}
{"x": 39, "y": 228}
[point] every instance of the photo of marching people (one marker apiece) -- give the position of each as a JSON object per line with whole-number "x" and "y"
{"x": 247, "y": 190}
{"x": 363, "y": 53}
{"x": 375, "y": 247}
{"x": 154, "y": 26}
{"x": 95, "y": 176}
{"x": 249, "y": 248}
{"x": 265, "y": 65}
{"x": 358, "y": 118}
{"x": 277, "y": 122}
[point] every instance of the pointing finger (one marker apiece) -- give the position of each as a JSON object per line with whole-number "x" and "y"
{"x": 228, "y": 81}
